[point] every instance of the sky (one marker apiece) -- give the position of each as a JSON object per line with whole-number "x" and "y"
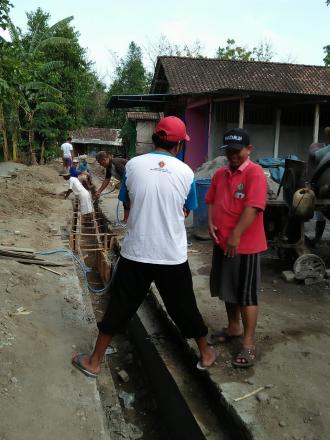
{"x": 297, "y": 29}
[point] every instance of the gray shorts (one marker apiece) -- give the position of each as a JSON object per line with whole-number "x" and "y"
{"x": 235, "y": 280}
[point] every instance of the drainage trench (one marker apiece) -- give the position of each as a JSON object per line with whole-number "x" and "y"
{"x": 167, "y": 399}
{"x": 97, "y": 246}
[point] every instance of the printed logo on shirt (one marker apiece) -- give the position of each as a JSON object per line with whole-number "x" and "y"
{"x": 240, "y": 186}
{"x": 161, "y": 168}
{"x": 239, "y": 195}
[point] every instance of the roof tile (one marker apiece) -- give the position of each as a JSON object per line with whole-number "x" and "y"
{"x": 205, "y": 75}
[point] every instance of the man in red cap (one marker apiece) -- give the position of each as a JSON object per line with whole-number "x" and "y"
{"x": 159, "y": 187}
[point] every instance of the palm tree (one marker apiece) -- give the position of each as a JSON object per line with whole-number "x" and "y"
{"x": 33, "y": 93}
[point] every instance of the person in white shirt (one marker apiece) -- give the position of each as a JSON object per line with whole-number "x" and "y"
{"x": 86, "y": 204}
{"x": 161, "y": 191}
{"x": 67, "y": 153}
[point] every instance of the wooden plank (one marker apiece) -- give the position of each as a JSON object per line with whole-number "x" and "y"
{"x": 34, "y": 261}
{"x": 51, "y": 270}
{"x": 18, "y": 249}
{"x": 19, "y": 254}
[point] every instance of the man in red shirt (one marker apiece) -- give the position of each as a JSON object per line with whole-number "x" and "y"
{"x": 236, "y": 201}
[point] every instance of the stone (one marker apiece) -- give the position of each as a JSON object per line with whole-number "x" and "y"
{"x": 262, "y": 397}
{"x": 14, "y": 380}
{"x": 282, "y": 423}
{"x": 17, "y": 232}
{"x": 122, "y": 374}
{"x": 134, "y": 432}
{"x": 288, "y": 276}
{"x": 270, "y": 385}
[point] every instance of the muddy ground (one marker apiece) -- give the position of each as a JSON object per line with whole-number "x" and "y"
{"x": 293, "y": 333}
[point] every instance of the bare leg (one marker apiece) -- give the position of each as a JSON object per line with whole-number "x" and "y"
{"x": 93, "y": 362}
{"x": 207, "y": 353}
{"x": 249, "y": 318}
{"x": 234, "y": 319}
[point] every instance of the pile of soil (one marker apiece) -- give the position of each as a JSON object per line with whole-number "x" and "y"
{"x": 24, "y": 193}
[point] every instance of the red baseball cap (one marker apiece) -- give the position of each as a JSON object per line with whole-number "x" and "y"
{"x": 172, "y": 129}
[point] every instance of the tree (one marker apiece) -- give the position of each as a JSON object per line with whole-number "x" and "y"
{"x": 263, "y": 52}
{"x": 34, "y": 93}
{"x": 5, "y": 6}
{"x": 326, "y": 59}
{"x": 130, "y": 78}
{"x": 4, "y": 88}
{"x": 46, "y": 82}
{"x": 163, "y": 47}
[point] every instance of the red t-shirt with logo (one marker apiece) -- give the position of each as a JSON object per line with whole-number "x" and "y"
{"x": 232, "y": 191}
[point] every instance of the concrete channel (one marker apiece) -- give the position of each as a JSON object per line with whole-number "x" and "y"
{"x": 191, "y": 406}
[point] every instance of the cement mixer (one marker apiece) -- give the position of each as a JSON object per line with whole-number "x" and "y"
{"x": 304, "y": 189}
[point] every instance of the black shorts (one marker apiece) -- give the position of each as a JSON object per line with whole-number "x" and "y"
{"x": 67, "y": 162}
{"x": 131, "y": 284}
{"x": 235, "y": 280}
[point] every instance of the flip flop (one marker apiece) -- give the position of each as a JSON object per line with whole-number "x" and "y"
{"x": 76, "y": 362}
{"x": 214, "y": 337}
{"x": 246, "y": 354}
{"x": 201, "y": 367}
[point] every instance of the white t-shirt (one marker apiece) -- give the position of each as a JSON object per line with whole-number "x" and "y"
{"x": 158, "y": 186}
{"x": 66, "y": 149}
{"x": 86, "y": 205}
{"x": 76, "y": 186}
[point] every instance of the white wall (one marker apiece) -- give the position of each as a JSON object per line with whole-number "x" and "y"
{"x": 144, "y": 131}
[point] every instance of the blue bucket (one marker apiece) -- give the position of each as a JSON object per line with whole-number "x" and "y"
{"x": 200, "y": 214}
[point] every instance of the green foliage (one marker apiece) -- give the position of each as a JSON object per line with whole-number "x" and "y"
{"x": 128, "y": 136}
{"x": 326, "y": 59}
{"x": 5, "y": 6}
{"x": 263, "y": 52}
{"x": 46, "y": 83}
{"x": 130, "y": 78}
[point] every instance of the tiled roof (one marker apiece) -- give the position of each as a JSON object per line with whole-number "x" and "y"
{"x": 178, "y": 75}
{"x": 150, "y": 116}
{"x": 95, "y": 133}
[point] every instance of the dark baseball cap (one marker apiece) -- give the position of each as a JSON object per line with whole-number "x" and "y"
{"x": 236, "y": 139}
{"x": 172, "y": 129}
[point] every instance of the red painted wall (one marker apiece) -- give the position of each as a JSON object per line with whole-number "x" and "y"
{"x": 197, "y": 121}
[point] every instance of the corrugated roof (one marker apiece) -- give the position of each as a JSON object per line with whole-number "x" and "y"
{"x": 179, "y": 75}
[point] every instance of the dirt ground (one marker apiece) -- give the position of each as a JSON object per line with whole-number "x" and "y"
{"x": 42, "y": 320}
{"x": 293, "y": 336}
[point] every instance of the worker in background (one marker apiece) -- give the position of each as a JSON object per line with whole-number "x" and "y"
{"x": 86, "y": 204}
{"x": 83, "y": 176}
{"x": 73, "y": 170}
{"x": 236, "y": 201}
{"x": 158, "y": 186}
{"x": 67, "y": 153}
{"x": 115, "y": 167}
{"x": 85, "y": 173}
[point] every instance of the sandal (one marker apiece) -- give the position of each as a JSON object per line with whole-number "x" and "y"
{"x": 202, "y": 367}
{"x": 214, "y": 338}
{"x": 245, "y": 358}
